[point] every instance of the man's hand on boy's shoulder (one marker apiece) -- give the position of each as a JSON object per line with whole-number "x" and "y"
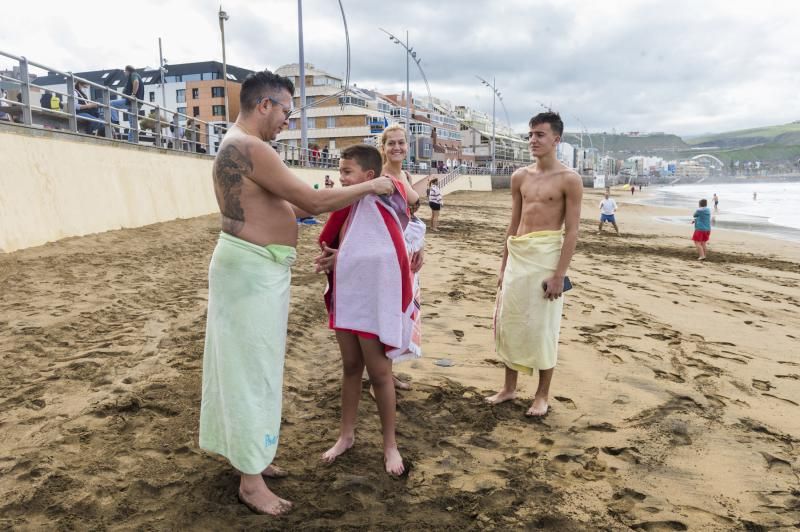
{"x": 327, "y": 260}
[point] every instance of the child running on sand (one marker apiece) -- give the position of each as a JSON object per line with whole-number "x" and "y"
{"x": 369, "y": 296}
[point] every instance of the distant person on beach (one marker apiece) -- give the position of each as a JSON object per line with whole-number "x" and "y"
{"x": 369, "y": 296}
{"x": 755, "y": 196}
{"x": 702, "y": 229}
{"x": 607, "y": 209}
{"x": 435, "y": 202}
{"x": 633, "y": 189}
{"x": 716, "y": 202}
{"x": 541, "y": 239}
{"x": 248, "y": 292}
{"x": 328, "y": 182}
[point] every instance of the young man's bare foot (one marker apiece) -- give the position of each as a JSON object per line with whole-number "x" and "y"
{"x": 538, "y": 408}
{"x": 258, "y": 497}
{"x": 501, "y": 397}
{"x": 339, "y": 448}
{"x": 393, "y": 462}
{"x": 273, "y": 471}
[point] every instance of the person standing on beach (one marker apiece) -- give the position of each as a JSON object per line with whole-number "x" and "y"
{"x": 702, "y": 229}
{"x": 546, "y": 200}
{"x": 435, "y": 202}
{"x": 248, "y": 293}
{"x": 716, "y": 202}
{"x": 607, "y": 209}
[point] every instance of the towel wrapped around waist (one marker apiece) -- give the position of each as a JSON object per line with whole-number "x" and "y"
{"x": 526, "y": 323}
{"x": 248, "y": 308}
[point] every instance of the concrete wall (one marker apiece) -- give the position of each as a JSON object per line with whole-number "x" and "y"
{"x": 480, "y": 183}
{"x": 55, "y": 185}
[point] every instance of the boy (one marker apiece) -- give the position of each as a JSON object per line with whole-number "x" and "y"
{"x": 607, "y": 209}
{"x": 369, "y": 296}
{"x": 546, "y": 197}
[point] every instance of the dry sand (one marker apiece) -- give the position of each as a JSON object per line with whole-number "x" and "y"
{"x": 675, "y": 400}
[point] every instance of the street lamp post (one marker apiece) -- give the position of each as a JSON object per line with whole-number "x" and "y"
{"x": 495, "y": 94}
{"x": 302, "y": 81}
{"x": 410, "y": 54}
{"x": 223, "y": 16}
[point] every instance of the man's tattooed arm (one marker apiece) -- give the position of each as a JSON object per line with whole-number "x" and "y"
{"x": 230, "y": 167}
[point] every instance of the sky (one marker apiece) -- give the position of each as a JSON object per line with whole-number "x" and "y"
{"x": 677, "y": 66}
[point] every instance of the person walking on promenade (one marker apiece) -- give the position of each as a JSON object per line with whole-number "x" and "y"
{"x": 249, "y": 278}
{"x": 546, "y": 197}
{"x": 135, "y": 89}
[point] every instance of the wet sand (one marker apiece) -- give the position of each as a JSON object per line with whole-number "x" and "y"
{"x": 675, "y": 400}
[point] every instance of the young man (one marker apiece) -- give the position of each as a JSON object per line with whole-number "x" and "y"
{"x": 546, "y": 197}
{"x": 369, "y": 296}
{"x": 607, "y": 209}
{"x": 248, "y": 293}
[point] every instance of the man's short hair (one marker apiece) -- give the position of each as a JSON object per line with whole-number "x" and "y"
{"x": 703, "y": 203}
{"x": 554, "y": 119}
{"x": 366, "y": 156}
{"x": 260, "y": 84}
{"x": 129, "y": 69}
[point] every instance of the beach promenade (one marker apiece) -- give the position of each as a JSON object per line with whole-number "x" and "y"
{"x": 676, "y": 399}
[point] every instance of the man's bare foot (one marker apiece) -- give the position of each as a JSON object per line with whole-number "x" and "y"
{"x": 400, "y": 385}
{"x": 393, "y": 462}
{"x": 501, "y": 397}
{"x": 339, "y": 448}
{"x": 273, "y": 471}
{"x": 262, "y": 501}
{"x": 538, "y": 408}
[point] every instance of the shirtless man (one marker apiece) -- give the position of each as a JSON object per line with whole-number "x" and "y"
{"x": 546, "y": 197}
{"x": 249, "y": 278}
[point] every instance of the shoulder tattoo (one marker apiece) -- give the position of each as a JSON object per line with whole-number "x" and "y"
{"x": 230, "y": 167}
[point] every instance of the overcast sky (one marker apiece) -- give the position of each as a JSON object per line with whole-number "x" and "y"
{"x": 678, "y": 66}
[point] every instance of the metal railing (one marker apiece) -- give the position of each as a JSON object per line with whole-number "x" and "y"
{"x": 164, "y": 128}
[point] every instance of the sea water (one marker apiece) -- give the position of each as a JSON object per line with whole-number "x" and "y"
{"x": 775, "y": 209}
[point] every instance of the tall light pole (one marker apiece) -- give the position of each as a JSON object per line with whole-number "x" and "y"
{"x": 162, "y": 70}
{"x": 495, "y": 94}
{"x": 410, "y": 54}
{"x": 302, "y": 81}
{"x": 223, "y": 16}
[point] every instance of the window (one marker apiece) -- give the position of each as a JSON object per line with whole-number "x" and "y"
{"x": 195, "y": 93}
{"x": 330, "y": 121}
{"x": 217, "y": 92}
{"x": 182, "y": 110}
{"x": 152, "y": 96}
{"x": 218, "y": 110}
{"x": 192, "y": 77}
{"x": 351, "y": 100}
{"x": 180, "y": 96}
{"x": 210, "y": 75}
{"x": 173, "y": 79}
{"x": 293, "y": 123}
{"x": 195, "y": 111}
{"x": 311, "y": 122}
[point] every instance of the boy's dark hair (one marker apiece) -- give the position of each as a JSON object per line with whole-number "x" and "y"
{"x": 368, "y": 157}
{"x": 703, "y": 203}
{"x": 554, "y": 119}
{"x": 258, "y": 85}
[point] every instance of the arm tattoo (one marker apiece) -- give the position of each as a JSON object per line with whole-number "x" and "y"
{"x": 230, "y": 166}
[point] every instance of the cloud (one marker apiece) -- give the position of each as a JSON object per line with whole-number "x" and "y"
{"x": 678, "y": 66}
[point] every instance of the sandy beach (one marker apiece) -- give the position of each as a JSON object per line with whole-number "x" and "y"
{"x": 676, "y": 401}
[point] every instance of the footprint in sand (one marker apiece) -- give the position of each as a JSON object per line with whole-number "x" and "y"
{"x": 568, "y": 403}
{"x": 458, "y": 334}
{"x": 780, "y": 399}
{"x": 659, "y": 526}
{"x": 764, "y": 386}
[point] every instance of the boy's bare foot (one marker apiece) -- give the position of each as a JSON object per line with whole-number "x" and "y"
{"x": 393, "y": 462}
{"x": 538, "y": 408}
{"x": 273, "y": 471}
{"x": 400, "y": 385}
{"x": 339, "y": 448}
{"x": 501, "y": 397}
{"x": 258, "y": 497}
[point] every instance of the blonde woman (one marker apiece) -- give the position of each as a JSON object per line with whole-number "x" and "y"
{"x": 394, "y": 149}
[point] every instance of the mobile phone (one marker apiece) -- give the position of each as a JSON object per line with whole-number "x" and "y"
{"x": 567, "y": 284}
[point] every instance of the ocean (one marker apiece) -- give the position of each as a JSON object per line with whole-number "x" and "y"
{"x": 775, "y": 210}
